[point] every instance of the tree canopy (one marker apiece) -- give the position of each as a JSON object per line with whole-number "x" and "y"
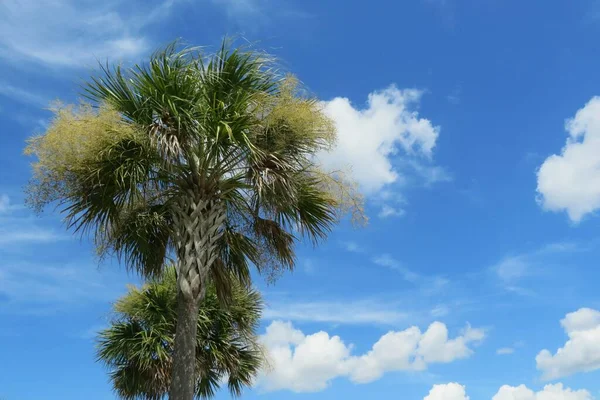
{"x": 137, "y": 347}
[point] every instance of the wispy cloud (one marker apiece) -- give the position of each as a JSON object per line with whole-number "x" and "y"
{"x": 309, "y": 267}
{"x": 385, "y": 260}
{"x": 336, "y": 312}
{"x": 253, "y": 14}
{"x": 503, "y": 351}
{"x": 18, "y": 228}
{"x": 446, "y": 10}
{"x": 385, "y": 309}
{"x": 32, "y": 287}
{"x": 351, "y": 246}
{"x": 388, "y": 211}
{"x": 512, "y": 270}
{"x": 425, "y": 284}
{"x": 22, "y": 95}
{"x": 5, "y": 205}
{"x": 241, "y": 8}
{"x": 74, "y": 33}
{"x": 32, "y": 281}
{"x": 455, "y": 95}
{"x": 29, "y": 235}
{"x": 92, "y": 332}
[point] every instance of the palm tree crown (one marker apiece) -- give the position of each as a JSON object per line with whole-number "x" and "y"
{"x": 138, "y": 345}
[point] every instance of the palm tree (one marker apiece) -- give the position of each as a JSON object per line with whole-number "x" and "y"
{"x": 138, "y": 345}
{"x": 206, "y": 160}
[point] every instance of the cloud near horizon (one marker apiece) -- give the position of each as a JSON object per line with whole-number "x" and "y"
{"x": 456, "y": 391}
{"x": 308, "y": 363}
{"x": 581, "y": 353}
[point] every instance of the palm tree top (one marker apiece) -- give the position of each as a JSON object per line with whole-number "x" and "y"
{"x": 228, "y": 128}
{"x": 137, "y": 346}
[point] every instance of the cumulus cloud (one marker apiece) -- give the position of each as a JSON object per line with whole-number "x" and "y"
{"x": 581, "y": 353}
{"x": 456, "y": 391}
{"x": 308, "y": 363}
{"x": 78, "y": 31}
{"x": 570, "y": 181}
{"x": 549, "y": 392}
{"x": 448, "y": 391}
{"x": 369, "y": 138}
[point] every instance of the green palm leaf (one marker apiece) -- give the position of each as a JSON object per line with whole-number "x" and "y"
{"x": 137, "y": 347}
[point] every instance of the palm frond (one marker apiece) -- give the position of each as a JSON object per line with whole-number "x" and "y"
{"x": 140, "y": 236}
{"x": 138, "y": 346}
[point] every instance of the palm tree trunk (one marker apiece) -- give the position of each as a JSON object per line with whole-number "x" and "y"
{"x": 198, "y": 226}
{"x": 184, "y": 357}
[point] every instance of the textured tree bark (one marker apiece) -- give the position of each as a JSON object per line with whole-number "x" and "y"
{"x": 197, "y": 224}
{"x": 184, "y": 357}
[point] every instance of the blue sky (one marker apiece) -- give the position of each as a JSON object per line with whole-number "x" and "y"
{"x": 473, "y": 131}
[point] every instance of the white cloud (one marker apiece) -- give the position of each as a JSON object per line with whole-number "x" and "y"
{"x": 302, "y": 363}
{"x": 370, "y": 138}
{"x": 571, "y": 181}
{"x": 389, "y": 211}
{"x": 308, "y": 363}
{"x": 581, "y": 353}
{"x": 448, "y": 391}
{"x": 337, "y": 312}
{"x": 505, "y": 351}
{"x": 456, "y": 391}
{"x": 73, "y": 33}
{"x": 549, "y": 392}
